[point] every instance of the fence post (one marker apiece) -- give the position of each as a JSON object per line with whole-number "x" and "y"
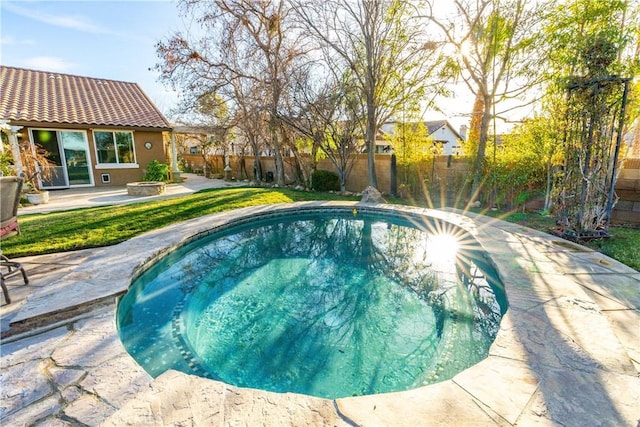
{"x": 393, "y": 185}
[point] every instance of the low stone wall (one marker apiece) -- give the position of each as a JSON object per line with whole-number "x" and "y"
{"x": 143, "y": 189}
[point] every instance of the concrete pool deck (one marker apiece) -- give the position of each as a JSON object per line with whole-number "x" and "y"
{"x": 567, "y": 353}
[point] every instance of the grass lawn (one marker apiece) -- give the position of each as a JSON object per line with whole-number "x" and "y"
{"x": 109, "y": 225}
{"x": 624, "y": 245}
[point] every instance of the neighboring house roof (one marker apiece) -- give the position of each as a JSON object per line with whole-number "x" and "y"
{"x": 47, "y": 97}
{"x": 431, "y": 126}
{"x": 434, "y": 125}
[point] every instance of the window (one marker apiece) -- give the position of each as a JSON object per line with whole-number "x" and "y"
{"x": 114, "y": 147}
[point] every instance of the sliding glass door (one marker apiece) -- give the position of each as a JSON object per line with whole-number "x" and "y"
{"x": 68, "y": 155}
{"x": 76, "y": 154}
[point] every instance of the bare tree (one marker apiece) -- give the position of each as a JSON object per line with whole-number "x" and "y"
{"x": 248, "y": 46}
{"x": 382, "y": 45}
{"x": 492, "y": 52}
{"x": 325, "y": 114}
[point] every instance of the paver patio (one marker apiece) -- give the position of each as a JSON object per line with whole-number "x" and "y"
{"x": 567, "y": 353}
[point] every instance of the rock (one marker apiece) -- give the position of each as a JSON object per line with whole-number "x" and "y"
{"x": 107, "y": 380}
{"x": 65, "y": 377}
{"x": 371, "y": 195}
{"x": 476, "y": 204}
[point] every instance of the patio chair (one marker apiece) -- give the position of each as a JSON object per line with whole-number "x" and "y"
{"x": 10, "y": 188}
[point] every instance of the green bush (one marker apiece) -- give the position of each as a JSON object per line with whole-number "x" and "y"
{"x": 322, "y": 180}
{"x": 156, "y": 171}
{"x": 6, "y": 159}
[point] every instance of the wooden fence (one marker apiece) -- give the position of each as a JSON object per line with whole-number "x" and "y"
{"x": 627, "y": 210}
{"x": 444, "y": 169}
{"x": 445, "y": 172}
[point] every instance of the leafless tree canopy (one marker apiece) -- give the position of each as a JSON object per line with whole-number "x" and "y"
{"x": 256, "y": 57}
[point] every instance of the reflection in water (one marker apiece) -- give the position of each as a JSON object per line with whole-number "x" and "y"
{"x": 328, "y": 306}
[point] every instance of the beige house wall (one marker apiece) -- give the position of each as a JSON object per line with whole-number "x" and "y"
{"x": 117, "y": 176}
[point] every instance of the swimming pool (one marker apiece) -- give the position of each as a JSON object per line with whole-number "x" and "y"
{"x": 329, "y": 303}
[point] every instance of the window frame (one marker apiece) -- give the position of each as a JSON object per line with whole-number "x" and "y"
{"x": 118, "y": 165}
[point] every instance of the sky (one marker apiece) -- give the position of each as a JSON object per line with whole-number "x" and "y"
{"x": 111, "y": 40}
{"x": 114, "y": 40}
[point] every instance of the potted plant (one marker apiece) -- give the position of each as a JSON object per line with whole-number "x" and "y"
{"x": 37, "y": 167}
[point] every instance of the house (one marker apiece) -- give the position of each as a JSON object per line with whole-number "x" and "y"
{"x": 96, "y": 132}
{"x": 439, "y": 131}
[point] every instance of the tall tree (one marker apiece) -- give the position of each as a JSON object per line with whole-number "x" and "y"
{"x": 326, "y": 115}
{"x": 491, "y": 45}
{"x": 383, "y": 46}
{"x": 257, "y": 35}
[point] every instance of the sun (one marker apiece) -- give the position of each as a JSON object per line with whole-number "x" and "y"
{"x": 442, "y": 249}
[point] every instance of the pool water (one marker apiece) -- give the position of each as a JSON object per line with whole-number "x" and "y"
{"x": 329, "y": 305}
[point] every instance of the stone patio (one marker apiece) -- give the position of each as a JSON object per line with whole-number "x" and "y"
{"x": 567, "y": 353}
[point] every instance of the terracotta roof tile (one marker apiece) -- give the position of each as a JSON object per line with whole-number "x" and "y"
{"x": 41, "y": 96}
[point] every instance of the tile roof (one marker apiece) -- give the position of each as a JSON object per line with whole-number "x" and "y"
{"x": 47, "y": 97}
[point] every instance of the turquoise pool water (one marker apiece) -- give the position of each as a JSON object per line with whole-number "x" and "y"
{"x": 326, "y": 304}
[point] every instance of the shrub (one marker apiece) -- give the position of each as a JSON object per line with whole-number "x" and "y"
{"x": 156, "y": 171}
{"x": 322, "y": 180}
{"x": 6, "y": 163}
{"x": 512, "y": 180}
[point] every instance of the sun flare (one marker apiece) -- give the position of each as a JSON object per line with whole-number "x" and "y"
{"x": 442, "y": 248}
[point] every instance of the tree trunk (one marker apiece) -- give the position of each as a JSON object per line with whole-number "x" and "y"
{"x": 279, "y": 168}
{"x": 482, "y": 146}
{"x": 343, "y": 180}
{"x": 257, "y": 168}
{"x": 300, "y": 166}
{"x": 547, "y": 195}
{"x": 371, "y": 146}
{"x": 475, "y": 125}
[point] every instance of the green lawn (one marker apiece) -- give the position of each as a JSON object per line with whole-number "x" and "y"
{"x": 624, "y": 245}
{"x": 108, "y": 225}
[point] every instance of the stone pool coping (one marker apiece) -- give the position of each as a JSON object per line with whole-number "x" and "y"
{"x": 568, "y": 350}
